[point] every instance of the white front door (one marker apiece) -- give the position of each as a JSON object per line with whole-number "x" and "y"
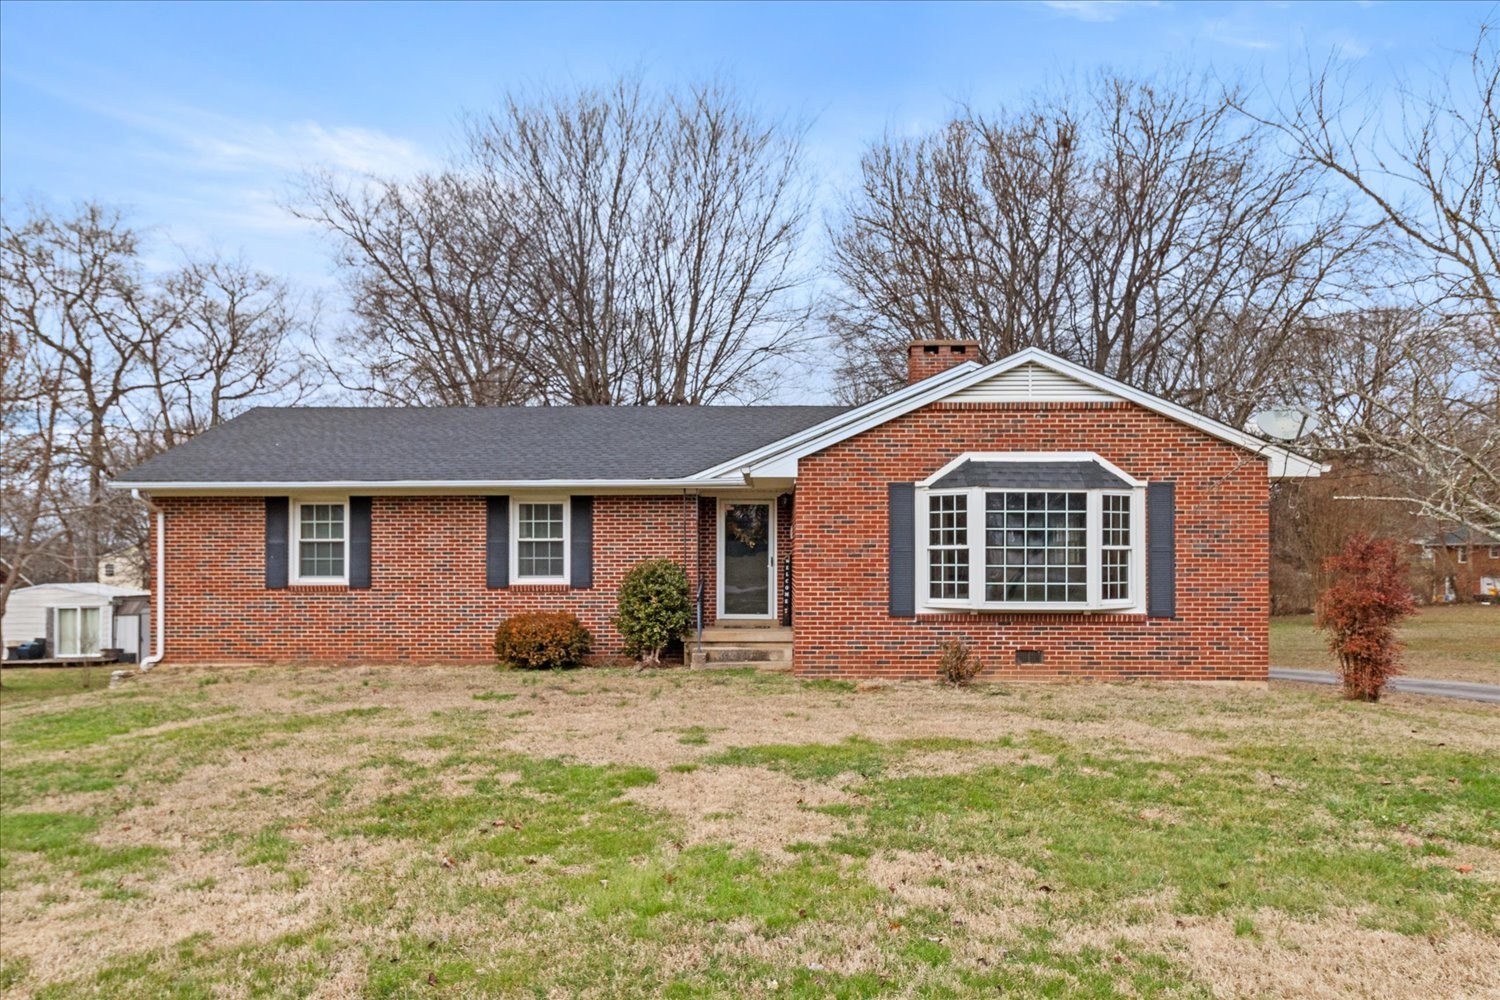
{"x": 747, "y": 559}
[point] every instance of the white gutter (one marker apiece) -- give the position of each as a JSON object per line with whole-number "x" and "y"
{"x": 159, "y": 603}
{"x": 427, "y": 485}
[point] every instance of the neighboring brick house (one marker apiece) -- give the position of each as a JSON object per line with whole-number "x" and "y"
{"x": 1462, "y": 565}
{"x": 1061, "y": 523}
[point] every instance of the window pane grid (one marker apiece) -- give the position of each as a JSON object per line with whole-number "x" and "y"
{"x": 948, "y": 547}
{"x": 1114, "y": 555}
{"x": 1036, "y": 547}
{"x": 539, "y": 545}
{"x": 320, "y": 540}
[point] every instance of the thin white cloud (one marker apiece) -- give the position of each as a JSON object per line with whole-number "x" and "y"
{"x": 204, "y": 179}
{"x": 1347, "y": 47}
{"x": 1236, "y": 36}
{"x": 1096, "y": 11}
{"x": 230, "y": 145}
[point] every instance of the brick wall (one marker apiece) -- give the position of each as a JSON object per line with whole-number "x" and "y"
{"x": 427, "y": 600}
{"x": 840, "y": 617}
{"x": 1442, "y": 565}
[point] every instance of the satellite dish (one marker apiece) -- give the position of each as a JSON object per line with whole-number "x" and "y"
{"x": 1287, "y": 424}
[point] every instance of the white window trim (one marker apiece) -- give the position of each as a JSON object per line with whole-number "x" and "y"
{"x": 1093, "y": 574}
{"x": 515, "y": 540}
{"x": 1463, "y": 555}
{"x": 1494, "y": 552}
{"x": 106, "y": 627}
{"x": 294, "y": 553}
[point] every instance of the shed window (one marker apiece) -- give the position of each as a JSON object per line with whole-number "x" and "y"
{"x": 76, "y": 631}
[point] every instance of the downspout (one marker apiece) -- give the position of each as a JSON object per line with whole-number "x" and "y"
{"x": 159, "y": 609}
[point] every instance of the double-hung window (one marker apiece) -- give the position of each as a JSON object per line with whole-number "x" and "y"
{"x": 996, "y": 534}
{"x": 320, "y": 539}
{"x": 540, "y": 540}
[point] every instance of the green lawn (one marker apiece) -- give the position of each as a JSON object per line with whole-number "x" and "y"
{"x": 445, "y": 832}
{"x": 1459, "y": 642}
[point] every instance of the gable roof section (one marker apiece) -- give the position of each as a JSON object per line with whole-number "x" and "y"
{"x": 1070, "y": 382}
{"x": 350, "y": 447}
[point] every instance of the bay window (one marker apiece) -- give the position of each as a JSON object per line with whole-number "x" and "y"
{"x": 996, "y": 534}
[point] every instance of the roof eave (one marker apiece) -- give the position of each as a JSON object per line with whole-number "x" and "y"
{"x": 264, "y": 488}
{"x": 932, "y": 386}
{"x": 781, "y": 457}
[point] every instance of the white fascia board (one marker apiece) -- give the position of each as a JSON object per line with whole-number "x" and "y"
{"x": 762, "y": 461}
{"x": 427, "y": 486}
{"x": 781, "y": 457}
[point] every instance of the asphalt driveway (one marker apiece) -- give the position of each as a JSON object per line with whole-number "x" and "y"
{"x": 1406, "y": 685}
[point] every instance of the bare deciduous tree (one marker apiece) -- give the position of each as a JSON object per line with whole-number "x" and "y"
{"x": 1416, "y": 389}
{"x": 30, "y": 410}
{"x": 106, "y": 364}
{"x": 1144, "y": 229}
{"x": 605, "y": 246}
{"x": 429, "y": 266}
{"x": 1404, "y": 394}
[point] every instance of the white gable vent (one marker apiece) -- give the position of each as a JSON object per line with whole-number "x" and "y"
{"x": 1030, "y": 383}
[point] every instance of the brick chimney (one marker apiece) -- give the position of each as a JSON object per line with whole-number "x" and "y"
{"x": 925, "y": 358}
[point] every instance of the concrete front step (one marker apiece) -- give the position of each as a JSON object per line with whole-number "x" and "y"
{"x": 730, "y": 635}
{"x": 721, "y": 652}
{"x": 766, "y": 647}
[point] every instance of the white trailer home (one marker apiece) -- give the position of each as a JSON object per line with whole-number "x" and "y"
{"x": 78, "y": 619}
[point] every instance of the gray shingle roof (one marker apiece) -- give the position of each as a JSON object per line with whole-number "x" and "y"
{"x": 503, "y": 443}
{"x": 1033, "y": 476}
{"x": 1462, "y": 536}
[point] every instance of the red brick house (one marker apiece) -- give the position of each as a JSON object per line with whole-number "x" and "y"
{"x": 1063, "y": 524}
{"x": 1462, "y": 564}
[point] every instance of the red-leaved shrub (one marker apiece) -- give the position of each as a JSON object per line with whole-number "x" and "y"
{"x": 1359, "y": 611}
{"x": 541, "y": 640}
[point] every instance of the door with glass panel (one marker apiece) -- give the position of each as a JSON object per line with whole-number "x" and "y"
{"x": 76, "y": 632}
{"x": 747, "y": 559}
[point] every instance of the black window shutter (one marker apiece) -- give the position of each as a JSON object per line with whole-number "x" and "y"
{"x": 903, "y": 549}
{"x": 581, "y": 542}
{"x": 278, "y": 541}
{"x": 1161, "y": 556}
{"x": 359, "y": 543}
{"x": 497, "y": 542}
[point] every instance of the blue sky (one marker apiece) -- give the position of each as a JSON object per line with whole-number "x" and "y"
{"x": 198, "y": 118}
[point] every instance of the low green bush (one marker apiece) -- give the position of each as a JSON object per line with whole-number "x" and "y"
{"x": 542, "y": 640}
{"x": 655, "y": 608}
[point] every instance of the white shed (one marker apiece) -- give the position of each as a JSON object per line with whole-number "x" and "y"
{"x": 78, "y": 618}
